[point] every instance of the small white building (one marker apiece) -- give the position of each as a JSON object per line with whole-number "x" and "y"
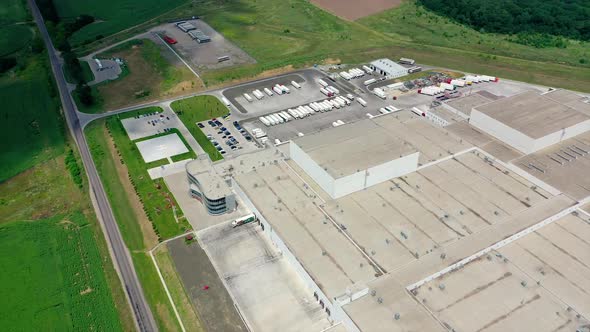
{"x": 389, "y": 68}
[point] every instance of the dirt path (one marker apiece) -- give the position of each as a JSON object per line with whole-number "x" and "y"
{"x": 149, "y": 236}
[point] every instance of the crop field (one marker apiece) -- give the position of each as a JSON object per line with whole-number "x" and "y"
{"x": 31, "y": 130}
{"x": 148, "y": 76}
{"x": 56, "y": 281}
{"x": 197, "y": 109}
{"x": 111, "y": 16}
{"x": 13, "y": 37}
{"x": 352, "y": 9}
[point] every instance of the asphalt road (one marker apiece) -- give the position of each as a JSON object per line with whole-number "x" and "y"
{"x": 119, "y": 253}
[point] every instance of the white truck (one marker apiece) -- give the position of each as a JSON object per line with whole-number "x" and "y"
{"x": 295, "y": 85}
{"x": 244, "y": 220}
{"x": 362, "y": 102}
{"x": 379, "y": 93}
{"x": 264, "y": 121}
{"x": 278, "y": 90}
{"x": 248, "y": 97}
{"x": 268, "y": 92}
{"x": 370, "y": 81}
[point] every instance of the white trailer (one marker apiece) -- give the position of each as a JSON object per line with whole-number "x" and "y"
{"x": 295, "y": 85}
{"x": 447, "y": 86}
{"x": 383, "y": 110}
{"x": 332, "y": 89}
{"x": 327, "y": 105}
{"x": 326, "y": 92}
{"x": 347, "y": 99}
{"x": 362, "y": 102}
{"x": 334, "y": 103}
{"x": 459, "y": 83}
{"x": 407, "y": 61}
{"x": 379, "y": 93}
{"x": 248, "y": 97}
{"x": 315, "y": 107}
{"x": 345, "y": 75}
{"x": 340, "y": 101}
{"x": 264, "y": 121}
{"x": 278, "y": 90}
{"x": 285, "y": 89}
{"x": 258, "y": 94}
{"x": 367, "y": 69}
{"x": 268, "y": 92}
{"x": 301, "y": 114}
{"x": 289, "y": 117}
{"x": 272, "y": 120}
{"x": 371, "y": 81}
{"x": 284, "y": 116}
{"x": 278, "y": 118}
{"x": 293, "y": 114}
{"x": 322, "y": 82}
{"x": 309, "y": 109}
{"x": 417, "y": 111}
{"x": 226, "y": 101}
{"x": 392, "y": 108}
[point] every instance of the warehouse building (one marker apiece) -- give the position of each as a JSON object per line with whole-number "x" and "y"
{"x": 350, "y": 158}
{"x": 199, "y": 36}
{"x": 530, "y": 121}
{"x": 209, "y": 189}
{"x": 185, "y": 26}
{"x": 389, "y": 68}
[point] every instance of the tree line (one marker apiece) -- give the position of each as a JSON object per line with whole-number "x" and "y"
{"x": 532, "y": 20}
{"x": 60, "y": 32}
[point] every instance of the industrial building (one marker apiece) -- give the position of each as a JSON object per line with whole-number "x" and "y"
{"x": 350, "y": 158}
{"x": 209, "y": 189}
{"x": 346, "y": 159}
{"x": 389, "y": 68}
{"x": 199, "y": 36}
{"x": 530, "y": 121}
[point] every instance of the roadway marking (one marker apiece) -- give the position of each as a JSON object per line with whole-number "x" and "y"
{"x": 179, "y": 57}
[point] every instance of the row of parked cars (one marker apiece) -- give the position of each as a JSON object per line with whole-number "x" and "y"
{"x": 230, "y": 141}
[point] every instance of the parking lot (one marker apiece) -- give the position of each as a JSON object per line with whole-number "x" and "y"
{"x": 261, "y": 281}
{"x": 228, "y": 136}
{"x": 204, "y": 56}
{"x": 309, "y": 91}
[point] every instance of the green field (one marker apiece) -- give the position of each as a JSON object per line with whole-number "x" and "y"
{"x": 413, "y": 24}
{"x": 56, "y": 282}
{"x": 86, "y": 72}
{"x": 111, "y": 16}
{"x": 197, "y": 109}
{"x": 13, "y": 35}
{"x": 147, "y": 75}
{"x": 31, "y": 130}
{"x": 153, "y": 196}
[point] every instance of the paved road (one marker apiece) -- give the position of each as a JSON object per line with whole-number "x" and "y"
{"x": 119, "y": 253}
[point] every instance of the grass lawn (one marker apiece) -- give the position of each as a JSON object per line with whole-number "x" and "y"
{"x": 111, "y": 16}
{"x": 197, "y": 109}
{"x": 283, "y": 33}
{"x": 56, "y": 281}
{"x": 149, "y": 76}
{"x": 154, "y": 201}
{"x": 31, "y": 130}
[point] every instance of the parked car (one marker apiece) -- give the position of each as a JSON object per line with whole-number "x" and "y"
{"x": 170, "y": 40}
{"x": 200, "y": 125}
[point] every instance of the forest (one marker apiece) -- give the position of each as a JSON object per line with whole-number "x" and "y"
{"x": 532, "y": 20}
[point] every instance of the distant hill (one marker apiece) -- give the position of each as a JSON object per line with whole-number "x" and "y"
{"x": 567, "y": 18}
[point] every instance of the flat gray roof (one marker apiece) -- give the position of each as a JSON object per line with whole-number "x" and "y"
{"x": 532, "y": 114}
{"x": 212, "y": 184}
{"x": 347, "y": 149}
